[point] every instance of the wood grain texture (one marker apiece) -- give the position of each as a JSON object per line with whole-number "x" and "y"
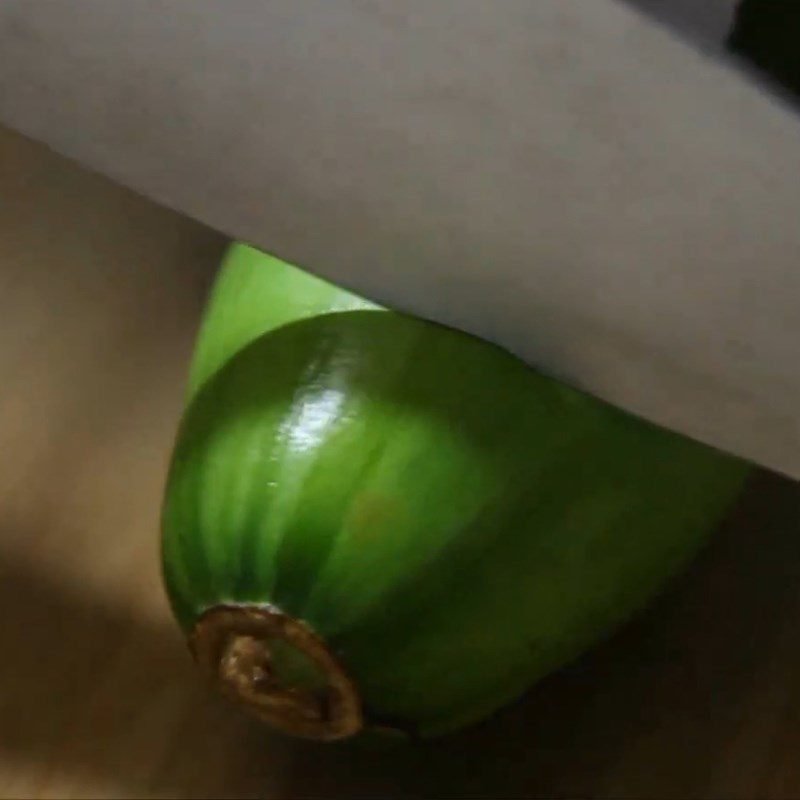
{"x": 100, "y": 296}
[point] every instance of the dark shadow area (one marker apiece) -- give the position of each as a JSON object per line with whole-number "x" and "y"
{"x": 756, "y": 37}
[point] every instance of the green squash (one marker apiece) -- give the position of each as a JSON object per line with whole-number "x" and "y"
{"x": 373, "y": 520}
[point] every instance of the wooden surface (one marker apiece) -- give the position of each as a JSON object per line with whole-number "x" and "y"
{"x": 100, "y": 294}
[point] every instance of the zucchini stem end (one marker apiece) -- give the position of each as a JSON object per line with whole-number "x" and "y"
{"x": 278, "y": 669}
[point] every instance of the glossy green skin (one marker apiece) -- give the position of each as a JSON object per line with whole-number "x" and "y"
{"x": 253, "y": 294}
{"x": 454, "y": 524}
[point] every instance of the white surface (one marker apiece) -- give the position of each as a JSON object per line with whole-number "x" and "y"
{"x": 560, "y": 176}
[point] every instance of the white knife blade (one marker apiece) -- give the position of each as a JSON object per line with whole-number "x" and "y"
{"x": 562, "y": 177}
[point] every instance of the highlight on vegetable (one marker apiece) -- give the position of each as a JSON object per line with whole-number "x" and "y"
{"x": 372, "y": 521}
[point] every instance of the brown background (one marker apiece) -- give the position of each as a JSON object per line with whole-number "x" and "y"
{"x": 100, "y": 295}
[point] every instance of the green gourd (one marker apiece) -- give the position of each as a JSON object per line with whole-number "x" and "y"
{"x": 374, "y": 521}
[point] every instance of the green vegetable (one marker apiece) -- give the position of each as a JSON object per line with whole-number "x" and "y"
{"x": 373, "y": 520}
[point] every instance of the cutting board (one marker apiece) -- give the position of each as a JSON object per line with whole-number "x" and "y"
{"x": 100, "y": 297}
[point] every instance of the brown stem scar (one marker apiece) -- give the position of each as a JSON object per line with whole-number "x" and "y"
{"x": 277, "y": 668}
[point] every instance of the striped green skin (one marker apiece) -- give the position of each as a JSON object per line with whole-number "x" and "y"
{"x": 454, "y": 524}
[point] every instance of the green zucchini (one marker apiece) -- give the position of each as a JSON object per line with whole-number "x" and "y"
{"x": 375, "y": 521}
